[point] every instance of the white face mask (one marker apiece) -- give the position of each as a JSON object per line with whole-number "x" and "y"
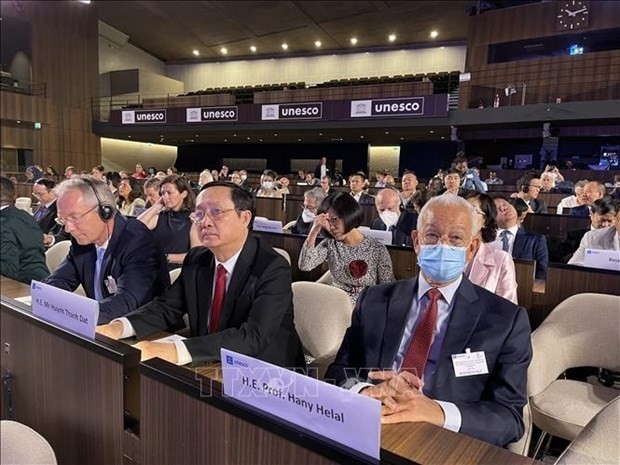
{"x": 243, "y": 177}
{"x": 267, "y": 185}
{"x": 307, "y": 216}
{"x": 389, "y": 218}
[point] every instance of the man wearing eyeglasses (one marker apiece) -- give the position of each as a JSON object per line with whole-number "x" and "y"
{"x": 22, "y": 255}
{"x": 312, "y": 200}
{"x": 45, "y": 216}
{"x": 117, "y": 260}
{"x": 236, "y": 292}
{"x": 529, "y": 187}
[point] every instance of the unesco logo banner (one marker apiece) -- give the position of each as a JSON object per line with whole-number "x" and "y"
{"x": 413, "y": 106}
{"x": 292, "y": 111}
{"x": 143, "y": 116}
{"x": 211, "y": 114}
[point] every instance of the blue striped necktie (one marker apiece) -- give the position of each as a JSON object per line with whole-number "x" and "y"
{"x": 98, "y": 263}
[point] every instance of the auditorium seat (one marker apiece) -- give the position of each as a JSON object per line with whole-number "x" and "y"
{"x": 21, "y": 445}
{"x": 288, "y": 226}
{"x": 582, "y": 331}
{"x": 322, "y": 315}
{"x": 56, "y": 254}
{"x": 284, "y": 253}
{"x": 598, "y": 442}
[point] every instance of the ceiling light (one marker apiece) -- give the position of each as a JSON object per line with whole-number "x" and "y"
{"x": 392, "y": 37}
{"x": 260, "y": 140}
{"x": 253, "y": 49}
{"x": 196, "y": 53}
{"x": 224, "y": 50}
{"x": 353, "y": 41}
{"x": 434, "y": 34}
{"x": 85, "y": 1}
{"x": 298, "y": 140}
{"x": 320, "y": 133}
{"x": 431, "y": 131}
{"x": 285, "y": 46}
{"x": 387, "y": 132}
{"x": 317, "y": 43}
{"x": 275, "y": 134}
{"x": 361, "y": 137}
{"x": 442, "y": 137}
{"x": 225, "y": 140}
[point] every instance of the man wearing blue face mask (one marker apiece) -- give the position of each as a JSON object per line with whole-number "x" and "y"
{"x": 438, "y": 348}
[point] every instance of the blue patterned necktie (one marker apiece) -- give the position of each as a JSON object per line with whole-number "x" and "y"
{"x": 98, "y": 263}
{"x": 505, "y": 235}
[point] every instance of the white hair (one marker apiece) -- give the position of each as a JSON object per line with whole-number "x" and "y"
{"x": 87, "y": 185}
{"x": 449, "y": 201}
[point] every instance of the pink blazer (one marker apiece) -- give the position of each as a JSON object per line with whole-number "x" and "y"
{"x": 494, "y": 270}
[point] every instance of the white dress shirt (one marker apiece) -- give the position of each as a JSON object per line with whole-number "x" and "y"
{"x": 497, "y": 243}
{"x": 567, "y": 202}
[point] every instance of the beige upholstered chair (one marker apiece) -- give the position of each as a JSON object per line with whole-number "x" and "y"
{"x": 326, "y": 278}
{"x": 288, "y": 226}
{"x": 21, "y": 445}
{"x": 599, "y": 442}
{"x": 284, "y": 253}
{"x": 56, "y": 254}
{"x": 24, "y": 203}
{"x": 322, "y": 315}
{"x": 174, "y": 274}
{"x": 582, "y": 331}
{"x": 522, "y": 446}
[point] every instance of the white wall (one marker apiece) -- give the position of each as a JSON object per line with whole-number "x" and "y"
{"x": 117, "y": 155}
{"x": 115, "y": 58}
{"x": 313, "y": 70}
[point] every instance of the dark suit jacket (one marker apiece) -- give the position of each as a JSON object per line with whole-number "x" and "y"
{"x": 257, "y": 317}
{"x": 532, "y": 246}
{"x": 582, "y": 210}
{"x": 22, "y": 254}
{"x": 134, "y": 258}
{"x": 366, "y": 199}
{"x": 47, "y": 222}
{"x": 300, "y": 227}
{"x": 491, "y": 405}
{"x": 538, "y": 206}
{"x": 317, "y": 171}
{"x": 401, "y": 234}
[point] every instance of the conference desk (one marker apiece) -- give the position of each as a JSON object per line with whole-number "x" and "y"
{"x": 86, "y": 399}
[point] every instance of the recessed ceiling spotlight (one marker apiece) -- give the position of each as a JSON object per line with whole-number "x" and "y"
{"x": 196, "y": 135}
{"x": 249, "y": 138}
{"x": 298, "y": 140}
{"x": 225, "y": 140}
{"x": 253, "y": 49}
{"x": 361, "y": 137}
{"x": 434, "y": 34}
{"x": 224, "y": 50}
{"x": 431, "y": 131}
{"x": 285, "y": 46}
{"x": 234, "y": 135}
{"x": 353, "y": 40}
{"x": 392, "y": 37}
{"x": 442, "y": 137}
{"x": 320, "y": 133}
{"x": 318, "y": 43}
{"x": 387, "y": 132}
{"x": 260, "y": 140}
{"x": 128, "y": 137}
{"x": 402, "y": 138}
{"x": 196, "y": 53}
{"x": 275, "y": 134}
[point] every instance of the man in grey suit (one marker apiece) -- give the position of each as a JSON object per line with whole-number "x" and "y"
{"x": 601, "y": 239}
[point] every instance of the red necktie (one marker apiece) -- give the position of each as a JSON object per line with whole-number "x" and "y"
{"x": 415, "y": 358}
{"x": 218, "y": 298}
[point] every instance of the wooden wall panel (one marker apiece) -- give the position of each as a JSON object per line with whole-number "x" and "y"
{"x": 64, "y": 38}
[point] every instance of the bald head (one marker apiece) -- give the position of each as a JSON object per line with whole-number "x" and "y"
{"x": 388, "y": 199}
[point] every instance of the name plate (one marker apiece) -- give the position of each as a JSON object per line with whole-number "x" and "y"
{"x": 65, "y": 309}
{"x": 605, "y": 259}
{"x": 265, "y": 225}
{"x": 339, "y": 415}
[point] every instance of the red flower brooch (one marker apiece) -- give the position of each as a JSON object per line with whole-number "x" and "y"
{"x": 358, "y": 268}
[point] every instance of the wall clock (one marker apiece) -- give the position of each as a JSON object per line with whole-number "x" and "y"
{"x": 572, "y": 14}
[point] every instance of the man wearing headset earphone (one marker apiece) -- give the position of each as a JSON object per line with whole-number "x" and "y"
{"x": 117, "y": 260}
{"x": 394, "y": 217}
{"x": 528, "y": 188}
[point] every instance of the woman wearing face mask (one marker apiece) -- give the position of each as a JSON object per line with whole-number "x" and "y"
{"x": 312, "y": 200}
{"x": 490, "y": 268}
{"x": 169, "y": 219}
{"x": 355, "y": 261}
{"x": 268, "y": 185}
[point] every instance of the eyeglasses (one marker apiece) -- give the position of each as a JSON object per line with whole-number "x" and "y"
{"x": 38, "y": 194}
{"x": 309, "y": 208}
{"x": 215, "y": 214}
{"x": 74, "y": 221}
{"x": 333, "y": 221}
{"x": 454, "y": 240}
